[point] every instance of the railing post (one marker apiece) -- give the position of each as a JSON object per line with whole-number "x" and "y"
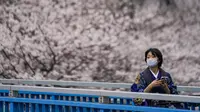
{"x": 104, "y": 99}
{"x": 6, "y": 106}
{"x": 12, "y": 107}
{"x": 44, "y": 108}
{"x": 13, "y": 93}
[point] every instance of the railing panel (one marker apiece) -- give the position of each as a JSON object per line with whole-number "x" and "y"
{"x": 1, "y": 106}
{"x": 52, "y": 108}
{"x": 96, "y": 100}
{"x": 90, "y": 99}
{"x": 11, "y": 107}
{"x": 84, "y": 99}
{"x": 48, "y": 97}
{"x": 27, "y": 107}
{"x": 21, "y": 95}
{"x": 66, "y": 109}
{"x": 72, "y": 109}
{"x": 86, "y": 109}
{"x": 47, "y": 108}
{"x": 79, "y": 97}
{"x": 43, "y": 96}
{"x": 79, "y": 109}
{"x": 32, "y": 96}
{"x": 37, "y": 109}
{"x": 32, "y": 108}
{"x": 6, "y": 106}
{"x": 61, "y": 97}
{"x": 4, "y": 92}
{"x": 21, "y": 107}
{"x": 44, "y": 108}
{"x": 72, "y": 98}
{"x": 26, "y": 95}
{"x": 128, "y": 102}
{"x": 66, "y": 98}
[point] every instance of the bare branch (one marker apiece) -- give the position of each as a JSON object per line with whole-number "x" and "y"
{"x": 25, "y": 60}
{"x": 53, "y": 60}
{"x": 10, "y": 62}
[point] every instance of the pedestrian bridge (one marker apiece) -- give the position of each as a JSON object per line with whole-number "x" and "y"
{"x": 76, "y": 96}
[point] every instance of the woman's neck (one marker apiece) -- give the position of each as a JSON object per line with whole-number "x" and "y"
{"x": 154, "y": 69}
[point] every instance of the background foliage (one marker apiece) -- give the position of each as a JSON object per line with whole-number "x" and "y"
{"x": 98, "y": 40}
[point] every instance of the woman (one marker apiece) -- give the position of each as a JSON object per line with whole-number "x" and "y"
{"x": 154, "y": 79}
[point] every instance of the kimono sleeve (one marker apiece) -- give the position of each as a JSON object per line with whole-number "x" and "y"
{"x": 172, "y": 86}
{"x": 139, "y": 85}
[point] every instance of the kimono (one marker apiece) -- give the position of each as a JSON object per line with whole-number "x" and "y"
{"x": 145, "y": 78}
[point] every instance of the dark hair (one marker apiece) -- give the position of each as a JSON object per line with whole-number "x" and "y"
{"x": 156, "y": 53}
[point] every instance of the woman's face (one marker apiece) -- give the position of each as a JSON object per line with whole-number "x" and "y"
{"x": 152, "y": 60}
{"x": 150, "y": 55}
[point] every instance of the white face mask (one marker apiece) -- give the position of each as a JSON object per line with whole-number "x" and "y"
{"x": 152, "y": 62}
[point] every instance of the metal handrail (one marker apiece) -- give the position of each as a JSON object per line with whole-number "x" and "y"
{"x": 83, "y": 84}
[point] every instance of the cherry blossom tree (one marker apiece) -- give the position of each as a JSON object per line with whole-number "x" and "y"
{"x": 98, "y": 40}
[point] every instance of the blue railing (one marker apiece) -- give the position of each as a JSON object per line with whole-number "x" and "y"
{"x": 66, "y": 97}
{"x": 4, "y": 92}
{"x": 86, "y": 98}
{"x": 39, "y": 105}
{"x": 24, "y": 98}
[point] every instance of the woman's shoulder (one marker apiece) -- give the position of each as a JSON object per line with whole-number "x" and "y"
{"x": 167, "y": 73}
{"x": 144, "y": 71}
